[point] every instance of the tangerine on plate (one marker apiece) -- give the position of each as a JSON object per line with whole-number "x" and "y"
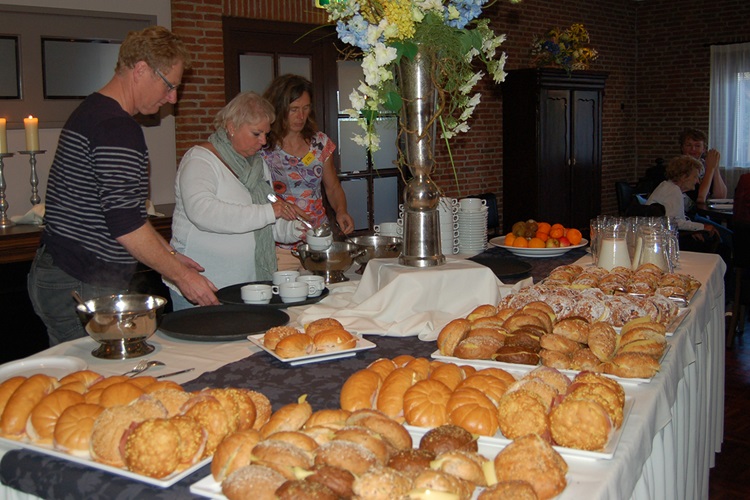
{"x": 536, "y": 243}
{"x": 542, "y": 236}
{"x": 543, "y": 227}
{"x": 556, "y": 231}
{"x": 521, "y": 243}
{"x": 574, "y": 236}
{"x": 509, "y": 239}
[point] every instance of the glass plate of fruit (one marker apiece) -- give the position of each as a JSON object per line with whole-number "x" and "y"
{"x": 539, "y": 239}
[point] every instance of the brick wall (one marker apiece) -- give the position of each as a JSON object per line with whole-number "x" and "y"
{"x": 655, "y": 52}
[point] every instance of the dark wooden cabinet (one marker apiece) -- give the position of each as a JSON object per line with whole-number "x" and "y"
{"x": 552, "y": 146}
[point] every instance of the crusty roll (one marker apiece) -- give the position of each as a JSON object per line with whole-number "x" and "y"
{"x": 360, "y": 390}
{"x": 390, "y": 398}
{"x": 275, "y": 334}
{"x": 74, "y": 427}
{"x": 478, "y": 347}
{"x": 575, "y": 329}
{"x": 530, "y": 458}
{"x": 281, "y": 456}
{"x": 381, "y": 483}
{"x": 580, "y": 423}
{"x": 425, "y": 403}
{"x": 470, "y": 409}
{"x": 632, "y": 365}
{"x": 603, "y": 340}
{"x": 333, "y": 340}
{"x": 517, "y": 490}
{"x": 346, "y": 455}
{"x": 252, "y": 481}
{"x": 233, "y": 453}
{"x": 367, "y": 438}
{"x": 393, "y": 432}
{"x": 322, "y": 324}
{"x": 290, "y": 417}
{"x": 522, "y": 412}
{"x": 22, "y": 401}
{"x": 483, "y": 311}
{"x": 516, "y": 354}
{"x": 521, "y": 319}
{"x": 329, "y": 416}
{"x": 602, "y": 394}
{"x": 555, "y": 359}
{"x": 172, "y": 400}
{"x": 150, "y": 448}
{"x": 40, "y": 426}
{"x": 193, "y": 440}
{"x": 295, "y": 346}
{"x": 107, "y": 433}
{"x": 451, "y": 334}
{"x": 468, "y": 465}
{"x": 447, "y": 438}
{"x": 209, "y": 412}
{"x": 263, "y": 408}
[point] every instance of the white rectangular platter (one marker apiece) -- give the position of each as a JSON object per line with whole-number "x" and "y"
{"x": 161, "y": 483}
{"x": 362, "y": 345}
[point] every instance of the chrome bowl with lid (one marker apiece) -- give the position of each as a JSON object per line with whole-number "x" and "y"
{"x": 330, "y": 263}
{"x": 378, "y": 247}
{"x": 122, "y": 323}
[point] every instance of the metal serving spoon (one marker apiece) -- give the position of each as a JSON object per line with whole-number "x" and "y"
{"x": 273, "y": 199}
{"x": 142, "y": 366}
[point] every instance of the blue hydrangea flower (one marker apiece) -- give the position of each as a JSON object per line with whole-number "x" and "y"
{"x": 468, "y": 10}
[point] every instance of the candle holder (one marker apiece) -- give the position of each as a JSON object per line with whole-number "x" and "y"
{"x": 4, "y": 220}
{"x": 35, "y": 199}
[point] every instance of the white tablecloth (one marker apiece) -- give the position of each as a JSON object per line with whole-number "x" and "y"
{"x": 667, "y": 445}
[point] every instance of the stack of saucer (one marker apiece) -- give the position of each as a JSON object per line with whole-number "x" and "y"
{"x": 448, "y": 212}
{"x": 472, "y": 226}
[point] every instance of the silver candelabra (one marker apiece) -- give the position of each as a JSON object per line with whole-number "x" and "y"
{"x": 35, "y": 198}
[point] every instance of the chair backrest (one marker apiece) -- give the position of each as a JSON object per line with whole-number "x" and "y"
{"x": 625, "y": 192}
{"x": 741, "y": 212}
{"x": 636, "y": 209}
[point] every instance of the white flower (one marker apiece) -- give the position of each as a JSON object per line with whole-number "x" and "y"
{"x": 466, "y": 87}
{"x": 453, "y": 12}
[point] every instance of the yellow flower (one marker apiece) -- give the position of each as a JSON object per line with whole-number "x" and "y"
{"x": 398, "y": 12}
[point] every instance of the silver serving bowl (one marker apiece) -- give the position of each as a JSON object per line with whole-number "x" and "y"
{"x": 378, "y": 247}
{"x": 330, "y": 263}
{"x": 122, "y": 323}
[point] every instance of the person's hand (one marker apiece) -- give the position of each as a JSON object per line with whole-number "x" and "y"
{"x": 345, "y": 222}
{"x": 288, "y": 211}
{"x": 189, "y": 262}
{"x": 711, "y": 229}
{"x": 198, "y": 289}
{"x": 712, "y": 160}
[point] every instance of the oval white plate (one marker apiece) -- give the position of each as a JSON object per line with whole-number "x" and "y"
{"x": 536, "y": 252}
{"x": 54, "y": 366}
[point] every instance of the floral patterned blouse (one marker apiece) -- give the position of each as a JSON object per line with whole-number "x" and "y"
{"x": 299, "y": 179}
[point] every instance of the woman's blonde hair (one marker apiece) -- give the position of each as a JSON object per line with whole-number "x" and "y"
{"x": 681, "y": 166}
{"x": 246, "y": 107}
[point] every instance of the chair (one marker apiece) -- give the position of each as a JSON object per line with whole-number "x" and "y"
{"x": 625, "y": 192}
{"x": 740, "y": 257}
{"x": 636, "y": 209}
{"x": 493, "y": 220}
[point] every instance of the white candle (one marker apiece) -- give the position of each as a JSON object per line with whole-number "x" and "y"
{"x": 3, "y": 137}
{"x": 31, "y": 125}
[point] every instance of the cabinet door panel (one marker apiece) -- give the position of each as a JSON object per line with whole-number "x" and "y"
{"x": 585, "y": 189}
{"x": 554, "y": 153}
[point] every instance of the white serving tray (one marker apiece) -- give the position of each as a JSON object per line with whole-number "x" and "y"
{"x": 161, "y": 483}
{"x": 54, "y": 366}
{"x": 362, "y": 345}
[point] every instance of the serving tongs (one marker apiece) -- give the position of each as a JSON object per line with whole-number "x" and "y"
{"x": 273, "y": 199}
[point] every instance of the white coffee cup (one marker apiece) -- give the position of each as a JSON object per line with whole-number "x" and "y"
{"x": 316, "y": 283}
{"x": 292, "y": 291}
{"x": 319, "y": 242}
{"x": 471, "y": 204}
{"x": 256, "y": 294}
{"x": 284, "y": 276}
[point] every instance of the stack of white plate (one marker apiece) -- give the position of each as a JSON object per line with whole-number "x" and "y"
{"x": 472, "y": 227}
{"x": 448, "y": 212}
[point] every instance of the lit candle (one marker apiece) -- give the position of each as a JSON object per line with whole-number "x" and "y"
{"x": 3, "y": 137}
{"x": 31, "y": 125}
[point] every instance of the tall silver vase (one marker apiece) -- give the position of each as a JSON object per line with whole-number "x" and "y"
{"x": 421, "y": 246}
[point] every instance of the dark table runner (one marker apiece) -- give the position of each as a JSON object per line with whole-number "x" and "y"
{"x": 50, "y": 477}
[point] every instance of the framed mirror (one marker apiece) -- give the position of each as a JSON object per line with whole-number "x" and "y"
{"x": 10, "y": 81}
{"x": 74, "y": 68}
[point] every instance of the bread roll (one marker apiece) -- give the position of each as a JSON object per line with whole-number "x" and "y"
{"x": 394, "y": 433}
{"x": 74, "y": 427}
{"x": 575, "y": 329}
{"x": 425, "y": 403}
{"x": 451, "y": 334}
{"x": 532, "y": 459}
{"x": 281, "y": 456}
{"x": 411, "y": 461}
{"x": 107, "y": 432}
{"x": 555, "y": 359}
{"x": 234, "y": 452}
{"x": 275, "y": 334}
{"x": 7, "y": 388}
{"x": 632, "y": 365}
{"x": 150, "y": 448}
{"x": 542, "y": 315}
{"x": 208, "y": 412}
{"x": 402, "y": 360}
{"x": 654, "y": 347}
{"x": 263, "y": 409}
{"x": 467, "y": 465}
{"x": 142, "y": 381}
{"x": 448, "y": 438}
{"x": 525, "y": 337}
{"x": 252, "y": 481}
{"x": 492, "y": 387}
{"x": 596, "y": 378}
{"x": 367, "y": 438}
{"x": 289, "y": 417}
{"x": 328, "y": 416}
{"x": 517, "y": 490}
{"x": 585, "y": 359}
{"x": 382, "y": 367}
{"x": 541, "y": 306}
{"x": 449, "y": 374}
{"x": 193, "y": 440}
{"x": 558, "y": 381}
{"x": 483, "y": 311}
{"x": 641, "y": 333}
{"x": 334, "y": 340}
{"x": 300, "y": 489}
{"x": 21, "y": 402}
{"x": 322, "y": 324}
{"x": 421, "y": 366}
{"x": 346, "y": 455}
{"x": 546, "y": 393}
{"x": 492, "y": 322}
{"x": 556, "y": 342}
{"x": 360, "y": 390}
{"x": 431, "y": 483}
{"x": 40, "y": 426}
{"x": 520, "y": 413}
{"x": 390, "y": 398}
{"x": 521, "y": 319}
{"x": 107, "y": 381}
{"x": 603, "y": 341}
{"x": 120, "y": 393}
{"x": 163, "y": 384}
{"x": 580, "y": 423}
{"x": 381, "y": 483}
{"x": 87, "y": 377}
{"x": 516, "y": 354}
{"x": 602, "y": 394}
{"x": 477, "y": 347}
{"x": 501, "y": 334}
{"x": 338, "y": 480}
{"x": 172, "y": 400}
{"x": 295, "y": 346}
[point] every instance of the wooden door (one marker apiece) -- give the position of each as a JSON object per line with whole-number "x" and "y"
{"x": 554, "y": 156}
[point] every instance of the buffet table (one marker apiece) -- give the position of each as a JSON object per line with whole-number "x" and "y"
{"x": 665, "y": 451}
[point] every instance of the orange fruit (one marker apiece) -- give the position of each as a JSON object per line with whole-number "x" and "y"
{"x": 542, "y": 236}
{"x": 509, "y": 239}
{"x": 556, "y": 231}
{"x": 521, "y": 242}
{"x": 574, "y": 236}
{"x": 536, "y": 243}
{"x": 543, "y": 227}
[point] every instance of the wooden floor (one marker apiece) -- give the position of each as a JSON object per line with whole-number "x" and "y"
{"x": 730, "y": 478}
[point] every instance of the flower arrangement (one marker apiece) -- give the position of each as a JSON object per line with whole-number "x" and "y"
{"x": 564, "y": 48}
{"x": 384, "y": 31}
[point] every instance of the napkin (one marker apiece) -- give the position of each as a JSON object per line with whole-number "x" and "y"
{"x": 396, "y": 300}
{"x": 33, "y": 216}
{"x": 151, "y": 210}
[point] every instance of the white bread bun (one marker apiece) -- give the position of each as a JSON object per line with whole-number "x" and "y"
{"x": 295, "y": 346}
{"x": 333, "y": 340}
{"x": 393, "y": 432}
{"x": 346, "y": 455}
{"x": 360, "y": 390}
{"x": 391, "y": 394}
{"x": 233, "y": 453}
{"x": 275, "y": 334}
{"x": 40, "y": 425}
{"x": 22, "y": 401}
{"x": 120, "y": 393}
{"x": 7, "y": 388}
{"x": 73, "y": 429}
{"x": 322, "y": 324}
{"x": 87, "y": 377}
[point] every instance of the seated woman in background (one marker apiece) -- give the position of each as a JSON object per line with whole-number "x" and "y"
{"x": 222, "y": 217}
{"x": 682, "y": 176}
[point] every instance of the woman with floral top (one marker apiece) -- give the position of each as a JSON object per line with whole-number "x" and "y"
{"x": 300, "y": 158}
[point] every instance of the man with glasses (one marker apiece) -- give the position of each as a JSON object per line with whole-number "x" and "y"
{"x": 96, "y": 227}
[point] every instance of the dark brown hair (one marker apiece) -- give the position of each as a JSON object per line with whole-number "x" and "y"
{"x": 284, "y": 90}
{"x": 694, "y": 134}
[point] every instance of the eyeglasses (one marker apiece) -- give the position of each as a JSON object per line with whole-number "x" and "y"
{"x": 170, "y": 85}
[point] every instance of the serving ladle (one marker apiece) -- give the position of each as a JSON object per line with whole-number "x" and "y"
{"x": 81, "y": 301}
{"x": 273, "y": 199}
